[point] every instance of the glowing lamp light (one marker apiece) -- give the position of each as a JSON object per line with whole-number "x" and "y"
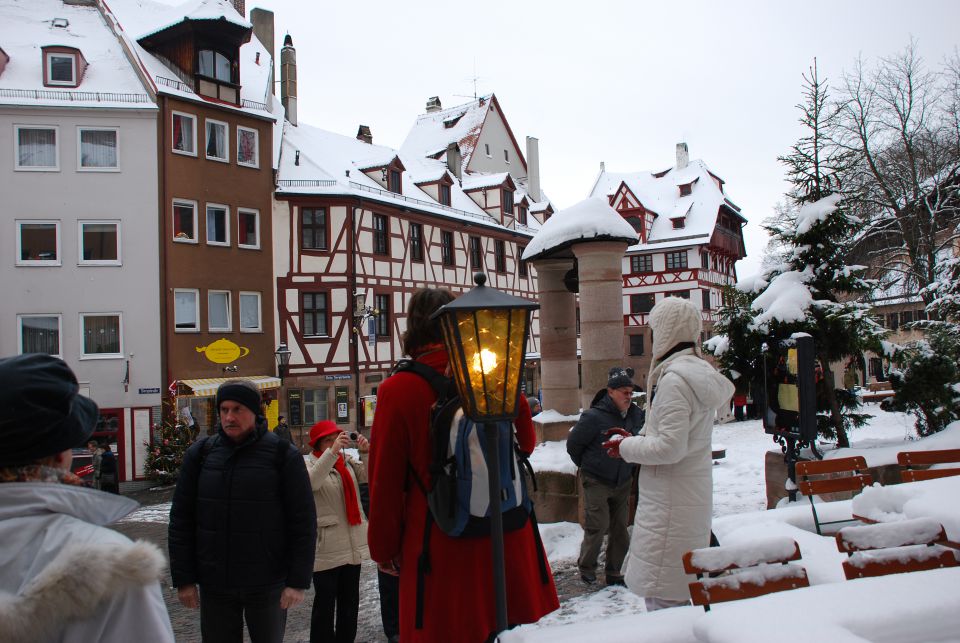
{"x": 485, "y": 332}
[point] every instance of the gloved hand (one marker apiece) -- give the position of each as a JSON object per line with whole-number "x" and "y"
{"x": 616, "y": 436}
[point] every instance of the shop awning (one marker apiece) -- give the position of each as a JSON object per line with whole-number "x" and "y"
{"x": 207, "y": 386}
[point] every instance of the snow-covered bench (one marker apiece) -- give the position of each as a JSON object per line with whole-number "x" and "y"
{"x": 744, "y": 571}
{"x": 927, "y": 460}
{"x": 894, "y": 548}
{"x": 816, "y": 477}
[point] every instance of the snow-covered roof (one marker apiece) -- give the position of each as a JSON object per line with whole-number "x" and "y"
{"x": 330, "y": 163}
{"x": 141, "y": 18}
{"x": 479, "y": 181}
{"x": 434, "y": 131}
{"x": 590, "y": 220}
{"x": 109, "y": 80}
{"x": 658, "y": 192}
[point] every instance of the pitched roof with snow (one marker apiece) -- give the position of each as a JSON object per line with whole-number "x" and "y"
{"x": 141, "y": 18}
{"x": 318, "y": 162}
{"x": 660, "y": 193}
{"x": 434, "y": 131}
{"x": 109, "y": 80}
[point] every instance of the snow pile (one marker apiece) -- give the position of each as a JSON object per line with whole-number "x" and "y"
{"x": 786, "y": 299}
{"x": 552, "y": 456}
{"x": 548, "y": 416}
{"x": 590, "y": 220}
{"x": 895, "y": 534}
{"x": 718, "y": 345}
{"x": 902, "y": 555}
{"x": 811, "y": 214}
{"x": 746, "y": 554}
{"x": 936, "y": 499}
{"x": 760, "y": 576}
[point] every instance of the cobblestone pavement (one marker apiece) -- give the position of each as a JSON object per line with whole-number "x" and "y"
{"x": 186, "y": 623}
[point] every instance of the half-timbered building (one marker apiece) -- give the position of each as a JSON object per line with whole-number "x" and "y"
{"x": 689, "y": 240}
{"x": 359, "y": 227}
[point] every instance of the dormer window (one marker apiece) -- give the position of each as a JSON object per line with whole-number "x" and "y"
{"x": 395, "y": 183}
{"x": 215, "y": 65}
{"x": 685, "y": 190}
{"x": 679, "y": 223}
{"x": 522, "y": 215}
{"x": 62, "y": 66}
{"x": 217, "y": 75}
{"x": 444, "y": 194}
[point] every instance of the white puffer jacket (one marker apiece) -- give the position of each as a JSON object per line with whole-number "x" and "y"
{"x": 65, "y": 578}
{"x": 675, "y": 487}
{"x": 338, "y": 542}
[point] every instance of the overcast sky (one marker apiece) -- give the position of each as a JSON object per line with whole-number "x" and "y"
{"x": 619, "y": 82}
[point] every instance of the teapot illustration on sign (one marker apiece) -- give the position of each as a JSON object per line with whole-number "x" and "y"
{"x": 223, "y": 351}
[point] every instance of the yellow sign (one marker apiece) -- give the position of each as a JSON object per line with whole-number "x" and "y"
{"x": 223, "y": 351}
{"x": 272, "y": 413}
{"x": 369, "y": 408}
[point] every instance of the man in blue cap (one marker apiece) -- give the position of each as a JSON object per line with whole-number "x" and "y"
{"x": 63, "y": 575}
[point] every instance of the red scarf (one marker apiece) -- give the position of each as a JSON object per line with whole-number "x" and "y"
{"x": 350, "y": 499}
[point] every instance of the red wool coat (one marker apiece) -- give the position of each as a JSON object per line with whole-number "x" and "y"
{"x": 458, "y": 596}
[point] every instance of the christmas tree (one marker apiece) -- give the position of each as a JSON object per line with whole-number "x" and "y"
{"x": 170, "y": 440}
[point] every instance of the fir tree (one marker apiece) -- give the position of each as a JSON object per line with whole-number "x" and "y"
{"x": 170, "y": 441}
{"x": 735, "y": 345}
{"x": 812, "y": 289}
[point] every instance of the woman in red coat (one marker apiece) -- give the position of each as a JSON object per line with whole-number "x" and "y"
{"x": 458, "y": 596}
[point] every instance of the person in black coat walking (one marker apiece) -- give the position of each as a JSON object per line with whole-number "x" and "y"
{"x": 606, "y": 481}
{"x": 243, "y": 524}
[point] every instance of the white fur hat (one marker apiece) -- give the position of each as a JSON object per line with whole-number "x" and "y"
{"x": 674, "y": 320}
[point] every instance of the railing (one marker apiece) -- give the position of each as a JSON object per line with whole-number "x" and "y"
{"x": 174, "y": 84}
{"x": 98, "y": 97}
{"x": 252, "y": 104}
{"x": 306, "y": 183}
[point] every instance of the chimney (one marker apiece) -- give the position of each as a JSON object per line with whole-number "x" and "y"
{"x": 263, "y": 29}
{"x": 433, "y": 104}
{"x": 241, "y": 7}
{"x": 603, "y": 167}
{"x": 683, "y": 156}
{"x": 455, "y": 160}
{"x": 533, "y": 169}
{"x": 364, "y": 134}
{"x": 288, "y": 79}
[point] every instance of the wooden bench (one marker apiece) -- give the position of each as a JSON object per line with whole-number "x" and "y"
{"x": 910, "y": 460}
{"x": 894, "y": 548}
{"x": 817, "y": 477}
{"x": 744, "y": 571}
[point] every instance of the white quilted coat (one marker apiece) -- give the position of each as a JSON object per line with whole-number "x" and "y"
{"x": 338, "y": 542}
{"x": 675, "y": 490}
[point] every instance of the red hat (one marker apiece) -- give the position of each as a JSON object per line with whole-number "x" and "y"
{"x": 322, "y": 429}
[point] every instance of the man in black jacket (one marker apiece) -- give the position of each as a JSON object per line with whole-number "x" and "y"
{"x": 243, "y": 524}
{"x": 606, "y": 480}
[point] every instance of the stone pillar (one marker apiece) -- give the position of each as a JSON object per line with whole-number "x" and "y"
{"x": 601, "y": 312}
{"x": 558, "y": 337}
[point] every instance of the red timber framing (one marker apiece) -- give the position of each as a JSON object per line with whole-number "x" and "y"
{"x": 349, "y": 264}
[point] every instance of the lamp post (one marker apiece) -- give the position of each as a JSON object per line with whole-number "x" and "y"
{"x": 283, "y": 359}
{"x": 361, "y": 313}
{"x": 485, "y": 332}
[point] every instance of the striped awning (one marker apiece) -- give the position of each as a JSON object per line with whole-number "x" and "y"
{"x": 207, "y": 386}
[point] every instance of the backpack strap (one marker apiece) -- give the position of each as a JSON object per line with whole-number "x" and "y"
{"x": 437, "y": 381}
{"x": 538, "y": 543}
{"x": 423, "y": 568}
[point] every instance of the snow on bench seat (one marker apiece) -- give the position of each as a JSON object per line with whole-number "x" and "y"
{"x": 901, "y": 555}
{"x": 767, "y": 550}
{"x": 916, "y": 531}
{"x": 757, "y": 576}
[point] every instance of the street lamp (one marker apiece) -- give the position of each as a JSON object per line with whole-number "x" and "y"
{"x": 361, "y": 313}
{"x": 283, "y": 359}
{"x": 485, "y": 332}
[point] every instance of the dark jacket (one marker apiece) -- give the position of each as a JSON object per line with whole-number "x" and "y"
{"x": 583, "y": 443}
{"x": 243, "y": 515}
{"x": 282, "y": 431}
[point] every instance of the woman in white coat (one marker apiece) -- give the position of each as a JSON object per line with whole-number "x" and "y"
{"x": 341, "y": 534}
{"x": 675, "y": 487}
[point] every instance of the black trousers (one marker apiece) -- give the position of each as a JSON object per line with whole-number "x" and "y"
{"x": 223, "y": 613}
{"x": 389, "y": 588}
{"x": 336, "y": 594}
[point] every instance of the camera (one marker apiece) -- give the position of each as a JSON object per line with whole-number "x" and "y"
{"x": 354, "y": 436}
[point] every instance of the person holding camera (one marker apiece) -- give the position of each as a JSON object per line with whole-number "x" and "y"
{"x": 341, "y": 532}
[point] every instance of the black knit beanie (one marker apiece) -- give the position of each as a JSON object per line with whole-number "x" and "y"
{"x": 240, "y": 391}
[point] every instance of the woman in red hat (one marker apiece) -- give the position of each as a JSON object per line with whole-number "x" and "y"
{"x": 341, "y": 533}
{"x": 457, "y": 595}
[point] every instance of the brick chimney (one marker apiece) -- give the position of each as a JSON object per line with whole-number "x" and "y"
{"x": 263, "y": 29}
{"x": 288, "y": 79}
{"x": 433, "y": 104}
{"x": 241, "y": 7}
{"x": 683, "y": 156}
{"x": 364, "y": 134}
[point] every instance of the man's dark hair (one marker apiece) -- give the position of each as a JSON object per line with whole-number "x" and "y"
{"x": 281, "y": 418}
{"x": 421, "y": 330}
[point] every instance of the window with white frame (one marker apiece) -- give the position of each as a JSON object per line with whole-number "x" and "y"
{"x": 216, "y": 138}
{"x": 218, "y": 310}
{"x": 250, "y": 312}
{"x": 61, "y": 69}
{"x": 218, "y": 224}
{"x": 184, "y": 221}
{"x": 40, "y": 334}
{"x": 102, "y": 335}
{"x": 97, "y": 148}
{"x": 184, "y": 133}
{"x": 315, "y": 405}
{"x": 186, "y": 310}
{"x": 37, "y": 148}
{"x": 99, "y": 243}
{"x": 38, "y": 243}
{"x": 248, "y": 228}
{"x": 248, "y": 146}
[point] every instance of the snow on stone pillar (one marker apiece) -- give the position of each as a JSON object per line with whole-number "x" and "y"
{"x": 558, "y": 337}
{"x": 601, "y": 312}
